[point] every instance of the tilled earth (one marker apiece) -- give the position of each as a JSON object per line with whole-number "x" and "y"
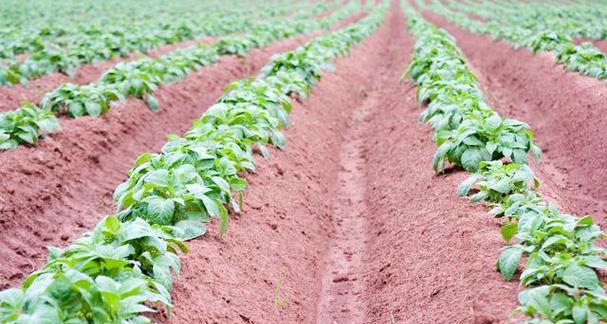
{"x": 347, "y": 224}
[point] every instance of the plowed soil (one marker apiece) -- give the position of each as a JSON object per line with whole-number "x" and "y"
{"x": 347, "y": 224}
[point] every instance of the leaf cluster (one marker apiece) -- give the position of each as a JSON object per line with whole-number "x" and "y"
{"x": 25, "y": 126}
{"x": 467, "y": 130}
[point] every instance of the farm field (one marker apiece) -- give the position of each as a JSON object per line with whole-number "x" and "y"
{"x": 338, "y": 161}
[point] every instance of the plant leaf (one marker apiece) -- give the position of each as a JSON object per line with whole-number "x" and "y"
{"x": 580, "y": 276}
{"x": 508, "y": 261}
{"x": 160, "y": 210}
{"x": 508, "y": 231}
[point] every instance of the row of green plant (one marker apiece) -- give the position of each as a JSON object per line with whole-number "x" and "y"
{"x": 562, "y": 260}
{"x": 140, "y": 79}
{"x": 573, "y": 19}
{"x": 124, "y": 267}
{"x": 50, "y": 20}
{"x": 532, "y": 34}
{"x": 128, "y": 21}
{"x": 67, "y": 53}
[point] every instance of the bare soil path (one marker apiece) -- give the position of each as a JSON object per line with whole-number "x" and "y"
{"x": 342, "y": 286}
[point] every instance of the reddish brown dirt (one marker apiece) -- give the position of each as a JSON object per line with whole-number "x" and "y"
{"x": 349, "y": 220}
{"x": 563, "y": 108}
{"x": 414, "y": 251}
{"x": 600, "y": 44}
{"x": 54, "y": 191}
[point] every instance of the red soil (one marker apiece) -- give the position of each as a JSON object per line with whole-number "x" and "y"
{"x": 59, "y": 188}
{"x": 563, "y": 108}
{"x": 364, "y": 227}
{"x": 600, "y": 44}
{"x": 349, "y": 220}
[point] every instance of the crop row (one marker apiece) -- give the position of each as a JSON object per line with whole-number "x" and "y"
{"x": 533, "y": 34}
{"x": 583, "y": 20}
{"x": 127, "y": 19}
{"x": 140, "y": 79}
{"x": 66, "y": 53}
{"x": 124, "y": 266}
{"x": 560, "y": 272}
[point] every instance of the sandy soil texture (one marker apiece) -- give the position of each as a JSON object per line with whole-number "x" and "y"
{"x": 347, "y": 224}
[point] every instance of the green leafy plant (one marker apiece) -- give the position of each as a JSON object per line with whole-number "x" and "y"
{"x": 234, "y": 45}
{"x": 142, "y": 77}
{"x": 562, "y": 258}
{"x": 496, "y": 181}
{"x": 79, "y": 100}
{"x": 484, "y": 139}
{"x": 540, "y": 28}
{"x": 25, "y": 125}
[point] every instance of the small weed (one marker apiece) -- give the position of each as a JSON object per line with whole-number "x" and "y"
{"x": 279, "y": 302}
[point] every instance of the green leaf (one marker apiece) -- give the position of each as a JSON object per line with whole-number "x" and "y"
{"x": 10, "y": 144}
{"x": 579, "y": 314}
{"x": 508, "y": 261}
{"x": 493, "y": 122}
{"x": 471, "y": 158}
{"x": 160, "y": 210}
{"x": 210, "y": 205}
{"x": 519, "y": 156}
{"x": 580, "y": 276}
{"x": 222, "y": 184}
{"x": 536, "y": 151}
{"x": 27, "y": 137}
{"x": 93, "y": 108}
{"x": 223, "y": 218}
{"x": 158, "y": 177}
{"x": 502, "y": 186}
{"x": 508, "y": 231}
{"x": 76, "y": 109}
{"x": 560, "y": 303}
{"x": 465, "y": 186}
{"x": 14, "y": 297}
{"x": 491, "y": 147}
{"x": 152, "y": 102}
{"x": 278, "y": 139}
{"x": 438, "y": 162}
{"x": 48, "y": 124}
{"x": 191, "y": 229}
{"x": 538, "y": 299}
{"x": 263, "y": 150}
{"x": 595, "y": 262}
